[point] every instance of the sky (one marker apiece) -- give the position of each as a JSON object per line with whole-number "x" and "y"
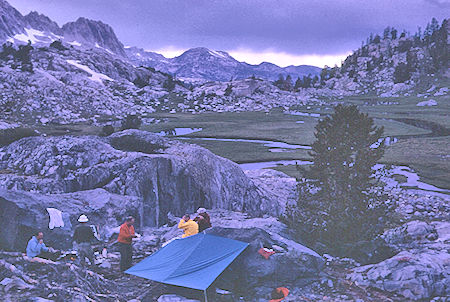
{"x": 284, "y": 32}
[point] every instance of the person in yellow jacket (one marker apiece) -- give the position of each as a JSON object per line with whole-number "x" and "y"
{"x": 190, "y": 227}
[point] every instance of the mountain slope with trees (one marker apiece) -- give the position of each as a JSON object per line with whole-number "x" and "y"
{"x": 394, "y": 61}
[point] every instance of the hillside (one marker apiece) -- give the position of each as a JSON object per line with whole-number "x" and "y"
{"x": 394, "y": 63}
{"x": 60, "y": 85}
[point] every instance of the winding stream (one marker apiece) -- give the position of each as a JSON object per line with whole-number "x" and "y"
{"x": 275, "y": 146}
{"x": 413, "y": 179}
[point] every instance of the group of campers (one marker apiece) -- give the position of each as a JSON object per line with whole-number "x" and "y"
{"x": 84, "y": 236}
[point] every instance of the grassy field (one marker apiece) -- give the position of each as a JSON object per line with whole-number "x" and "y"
{"x": 274, "y": 126}
{"x": 427, "y": 155}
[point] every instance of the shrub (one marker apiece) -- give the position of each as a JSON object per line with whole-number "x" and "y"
{"x": 228, "y": 90}
{"x": 107, "y": 130}
{"x": 58, "y": 45}
{"x": 131, "y": 121}
{"x": 169, "y": 84}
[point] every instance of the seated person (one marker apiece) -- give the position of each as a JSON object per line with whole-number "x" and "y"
{"x": 203, "y": 220}
{"x": 37, "y": 248}
{"x": 189, "y": 226}
{"x": 278, "y": 294}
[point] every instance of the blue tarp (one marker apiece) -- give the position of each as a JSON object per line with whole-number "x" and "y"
{"x": 193, "y": 262}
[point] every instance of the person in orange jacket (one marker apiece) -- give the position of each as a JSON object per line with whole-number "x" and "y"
{"x": 190, "y": 227}
{"x": 126, "y": 235}
{"x": 278, "y": 294}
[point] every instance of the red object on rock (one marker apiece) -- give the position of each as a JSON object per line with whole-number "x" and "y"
{"x": 282, "y": 291}
{"x": 266, "y": 254}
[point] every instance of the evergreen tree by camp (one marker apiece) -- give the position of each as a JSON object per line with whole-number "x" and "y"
{"x": 340, "y": 204}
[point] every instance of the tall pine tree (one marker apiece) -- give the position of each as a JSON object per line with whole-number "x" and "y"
{"x": 340, "y": 204}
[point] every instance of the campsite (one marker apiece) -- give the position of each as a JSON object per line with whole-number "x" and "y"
{"x": 224, "y": 151}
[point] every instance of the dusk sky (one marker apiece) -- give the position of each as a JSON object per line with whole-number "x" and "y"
{"x": 289, "y": 32}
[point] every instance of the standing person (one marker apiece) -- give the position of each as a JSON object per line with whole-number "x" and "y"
{"x": 203, "y": 220}
{"x": 37, "y": 248}
{"x": 190, "y": 227}
{"x": 83, "y": 236}
{"x": 126, "y": 235}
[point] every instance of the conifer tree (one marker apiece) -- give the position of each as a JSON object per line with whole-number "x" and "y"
{"x": 169, "y": 84}
{"x": 228, "y": 90}
{"x": 341, "y": 204}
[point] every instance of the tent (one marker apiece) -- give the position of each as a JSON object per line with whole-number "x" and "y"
{"x": 193, "y": 262}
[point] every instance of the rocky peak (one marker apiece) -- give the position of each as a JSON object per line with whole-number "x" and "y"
{"x": 11, "y": 21}
{"x": 203, "y": 51}
{"x": 139, "y": 55}
{"x": 201, "y": 56}
{"x": 93, "y": 33}
{"x": 42, "y": 22}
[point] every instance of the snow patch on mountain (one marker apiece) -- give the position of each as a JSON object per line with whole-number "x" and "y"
{"x": 74, "y": 43}
{"x": 95, "y": 76}
{"x": 217, "y": 54}
{"x": 34, "y": 36}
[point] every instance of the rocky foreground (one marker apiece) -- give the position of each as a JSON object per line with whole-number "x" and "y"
{"x": 157, "y": 180}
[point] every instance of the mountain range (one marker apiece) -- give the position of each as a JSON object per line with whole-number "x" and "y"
{"x": 202, "y": 63}
{"x": 196, "y": 65}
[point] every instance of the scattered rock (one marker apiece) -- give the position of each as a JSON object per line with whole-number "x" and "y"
{"x": 174, "y": 298}
{"x": 105, "y": 264}
{"x": 410, "y": 235}
{"x": 419, "y": 274}
{"x": 430, "y": 102}
{"x": 280, "y": 185}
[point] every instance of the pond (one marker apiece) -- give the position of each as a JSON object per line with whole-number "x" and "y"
{"x": 179, "y": 131}
{"x": 299, "y": 113}
{"x": 387, "y": 141}
{"x": 272, "y": 164}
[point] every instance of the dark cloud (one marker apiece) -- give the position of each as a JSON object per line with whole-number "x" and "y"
{"x": 292, "y": 26}
{"x": 440, "y": 3}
